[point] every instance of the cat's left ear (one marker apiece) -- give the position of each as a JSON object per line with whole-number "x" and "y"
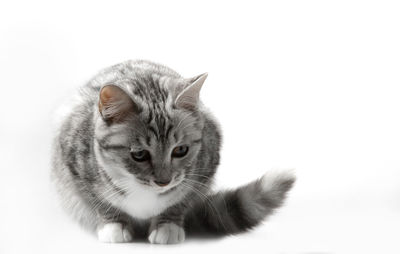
{"x": 189, "y": 97}
{"x": 115, "y": 104}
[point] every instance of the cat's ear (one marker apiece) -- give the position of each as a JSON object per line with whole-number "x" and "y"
{"x": 189, "y": 97}
{"x": 115, "y": 105}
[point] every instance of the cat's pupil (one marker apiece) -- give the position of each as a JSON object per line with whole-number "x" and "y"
{"x": 180, "y": 151}
{"x": 140, "y": 156}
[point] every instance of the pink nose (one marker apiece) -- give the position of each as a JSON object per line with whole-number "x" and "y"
{"x": 162, "y": 183}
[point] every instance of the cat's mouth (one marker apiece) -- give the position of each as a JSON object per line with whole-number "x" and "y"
{"x": 176, "y": 181}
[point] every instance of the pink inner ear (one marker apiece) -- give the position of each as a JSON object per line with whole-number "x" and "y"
{"x": 115, "y": 104}
{"x": 107, "y": 93}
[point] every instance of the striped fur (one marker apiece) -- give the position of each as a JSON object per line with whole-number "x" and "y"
{"x": 108, "y": 192}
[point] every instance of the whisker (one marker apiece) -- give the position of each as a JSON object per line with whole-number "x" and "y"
{"x": 197, "y": 182}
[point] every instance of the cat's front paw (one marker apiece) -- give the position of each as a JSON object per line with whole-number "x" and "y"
{"x": 167, "y": 233}
{"x": 114, "y": 233}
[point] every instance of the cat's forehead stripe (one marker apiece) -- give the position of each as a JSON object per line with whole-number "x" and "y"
{"x": 149, "y": 89}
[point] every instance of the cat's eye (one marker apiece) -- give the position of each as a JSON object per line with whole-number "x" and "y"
{"x": 141, "y": 155}
{"x": 180, "y": 151}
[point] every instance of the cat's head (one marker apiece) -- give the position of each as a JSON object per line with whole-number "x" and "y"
{"x": 148, "y": 131}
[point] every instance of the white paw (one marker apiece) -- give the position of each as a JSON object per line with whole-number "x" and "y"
{"x": 114, "y": 233}
{"x": 168, "y": 233}
{"x": 274, "y": 178}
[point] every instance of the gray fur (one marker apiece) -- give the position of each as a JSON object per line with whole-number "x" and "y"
{"x": 93, "y": 170}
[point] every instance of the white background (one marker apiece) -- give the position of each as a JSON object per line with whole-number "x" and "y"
{"x": 311, "y": 85}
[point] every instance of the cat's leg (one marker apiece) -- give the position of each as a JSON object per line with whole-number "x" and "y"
{"x": 167, "y": 228}
{"x": 114, "y": 232}
{"x": 114, "y": 229}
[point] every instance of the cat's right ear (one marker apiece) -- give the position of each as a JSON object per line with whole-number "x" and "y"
{"x": 115, "y": 105}
{"x": 189, "y": 97}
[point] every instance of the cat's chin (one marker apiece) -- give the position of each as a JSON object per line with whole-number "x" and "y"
{"x": 176, "y": 182}
{"x": 164, "y": 191}
{"x": 167, "y": 191}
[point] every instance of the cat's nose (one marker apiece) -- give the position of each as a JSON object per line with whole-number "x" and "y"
{"x": 162, "y": 183}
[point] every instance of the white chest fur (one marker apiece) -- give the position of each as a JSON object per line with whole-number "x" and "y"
{"x": 141, "y": 203}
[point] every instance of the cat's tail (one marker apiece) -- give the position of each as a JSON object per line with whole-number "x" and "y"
{"x": 239, "y": 210}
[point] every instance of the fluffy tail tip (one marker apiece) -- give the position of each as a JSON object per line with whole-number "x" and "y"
{"x": 278, "y": 179}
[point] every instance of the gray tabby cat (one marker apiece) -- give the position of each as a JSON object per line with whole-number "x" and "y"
{"x": 136, "y": 155}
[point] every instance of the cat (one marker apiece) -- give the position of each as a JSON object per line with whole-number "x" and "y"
{"x": 135, "y": 155}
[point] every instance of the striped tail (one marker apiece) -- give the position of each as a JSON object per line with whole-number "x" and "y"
{"x": 239, "y": 210}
